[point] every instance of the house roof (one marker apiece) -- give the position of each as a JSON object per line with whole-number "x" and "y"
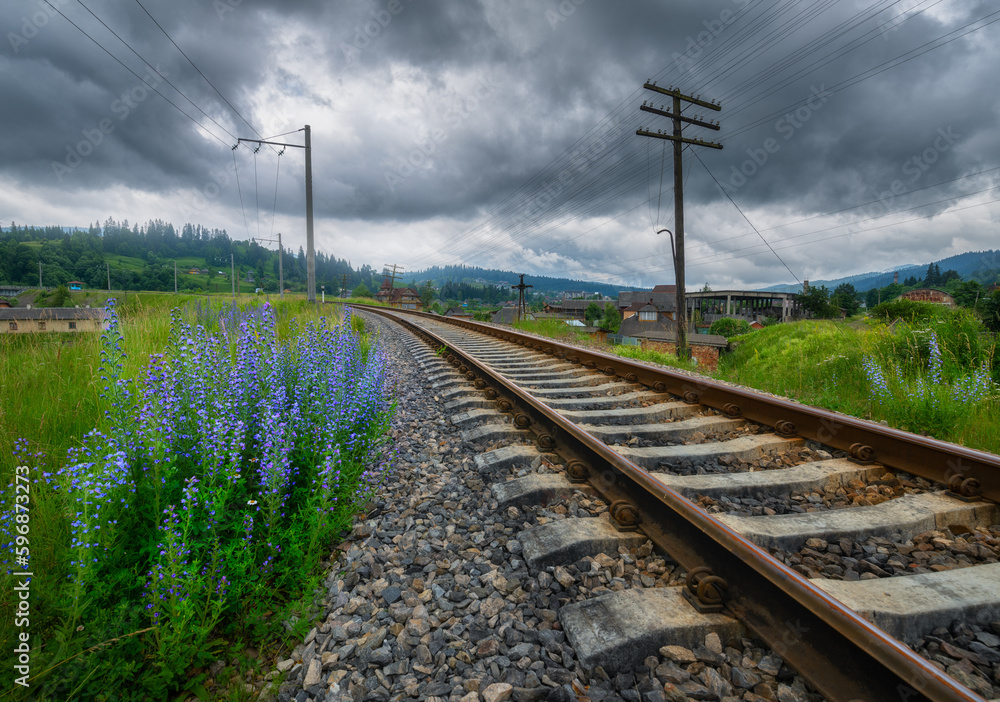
{"x": 672, "y": 289}
{"x": 633, "y": 326}
{"x": 507, "y": 315}
{"x": 15, "y": 314}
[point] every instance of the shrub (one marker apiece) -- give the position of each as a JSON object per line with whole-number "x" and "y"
{"x": 907, "y": 310}
{"x": 727, "y": 327}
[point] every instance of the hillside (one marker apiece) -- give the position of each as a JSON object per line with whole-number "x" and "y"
{"x": 983, "y": 266}
{"x": 438, "y": 275}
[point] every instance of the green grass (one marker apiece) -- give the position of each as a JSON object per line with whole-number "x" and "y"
{"x": 552, "y": 329}
{"x": 50, "y": 389}
{"x": 650, "y": 356}
{"x": 823, "y": 363}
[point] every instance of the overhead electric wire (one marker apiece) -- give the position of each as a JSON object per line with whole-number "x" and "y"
{"x": 531, "y": 227}
{"x": 195, "y": 67}
{"x": 154, "y": 70}
{"x": 239, "y": 189}
{"x": 143, "y": 80}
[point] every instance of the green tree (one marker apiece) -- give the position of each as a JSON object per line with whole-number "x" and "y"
{"x": 817, "y": 301}
{"x": 611, "y": 319}
{"x": 592, "y": 313}
{"x": 427, "y": 294}
{"x": 991, "y": 311}
{"x": 361, "y": 290}
{"x": 969, "y": 294}
{"x": 846, "y": 298}
{"x": 60, "y": 297}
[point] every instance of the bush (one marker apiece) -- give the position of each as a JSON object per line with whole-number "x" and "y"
{"x": 727, "y": 327}
{"x": 907, "y": 310}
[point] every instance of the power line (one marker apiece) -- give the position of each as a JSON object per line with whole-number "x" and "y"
{"x": 199, "y": 70}
{"x": 164, "y": 78}
{"x": 143, "y": 80}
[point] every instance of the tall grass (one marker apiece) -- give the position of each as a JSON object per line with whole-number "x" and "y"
{"x": 931, "y": 377}
{"x": 214, "y": 475}
{"x": 552, "y": 329}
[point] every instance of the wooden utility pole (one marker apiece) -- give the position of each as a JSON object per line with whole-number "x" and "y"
{"x": 522, "y": 306}
{"x": 232, "y": 274}
{"x": 310, "y": 242}
{"x": 109, "y": 275}
{"x": 39, "y": 275}
{"x": 679, "y": 140}
{"x": 395, "y": 269}
{"x": 175, "y": 277}
{"x": 343, "y": 286}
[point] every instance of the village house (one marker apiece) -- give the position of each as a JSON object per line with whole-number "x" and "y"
{"x": 74, "y": 285}
{"x": 20, "y": 320}
{"x": 933, "y": 295}
{"x": 402, "y": 298}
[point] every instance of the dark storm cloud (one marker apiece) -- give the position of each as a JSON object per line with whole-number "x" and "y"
{"x": 440, "y": 110}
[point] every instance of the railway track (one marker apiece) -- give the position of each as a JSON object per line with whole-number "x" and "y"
{"x": 784, "y": 521}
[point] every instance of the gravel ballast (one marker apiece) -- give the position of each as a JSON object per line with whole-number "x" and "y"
{"x": 431, "y": 599}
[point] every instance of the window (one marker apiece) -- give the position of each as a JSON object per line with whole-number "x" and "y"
{"x": 41, "y": 326}
{"x": 13, "y": 326}
{"x": 72, "y": 325}
{"x": 647, "y": 316}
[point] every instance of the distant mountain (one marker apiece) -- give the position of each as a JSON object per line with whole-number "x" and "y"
{"x": 979, "y": 265}
{"x": 439, "y": 275}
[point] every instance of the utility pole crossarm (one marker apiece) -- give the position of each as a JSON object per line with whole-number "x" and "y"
{"x": 687, "y": 98}
{"x": 270, "y": 143}
{"x": 683, "y": 140}
{"x": 682, "y": 118}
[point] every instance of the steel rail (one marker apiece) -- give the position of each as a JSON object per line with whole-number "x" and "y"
{"x": 967, "y": 472}
{"x": 841, "y": 654}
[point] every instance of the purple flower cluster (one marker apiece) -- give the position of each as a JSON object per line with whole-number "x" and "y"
{"x": 231, "y": 437}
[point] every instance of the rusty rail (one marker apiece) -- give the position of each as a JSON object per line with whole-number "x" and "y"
{"x": 843, "y": 655}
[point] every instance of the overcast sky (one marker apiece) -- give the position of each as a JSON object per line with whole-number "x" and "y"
{"x": 858, "y": 134}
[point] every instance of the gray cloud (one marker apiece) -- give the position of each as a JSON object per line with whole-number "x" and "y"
{"x": 503, "y": 131}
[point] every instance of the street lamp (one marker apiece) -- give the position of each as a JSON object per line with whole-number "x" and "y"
{"x": 323, "y": 291}
{"x": 683, "y": 351}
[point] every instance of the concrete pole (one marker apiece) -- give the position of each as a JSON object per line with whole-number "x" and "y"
{"x": 281, "y": 268}
{"x": 310, "y": 244}
{"x": 232, "y": 275}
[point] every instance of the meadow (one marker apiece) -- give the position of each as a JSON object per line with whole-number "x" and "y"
{"x": 189, "y": 472}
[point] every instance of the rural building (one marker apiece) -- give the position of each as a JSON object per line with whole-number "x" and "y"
{"x": 571, "y": 309}
{"x": 74, "y": 285}
{"x": 647, "y": 318}
{"x": 402, "y": 298}
{"x": 663, "y": 297}
{"x": 508, "y": 315}
{"x": 749, "y": 305}
{"x": 20, "y": 320}
{"x": 706, "y": 348}
{"x": 938, "y": 297}
{"x": 458, "y": 313}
